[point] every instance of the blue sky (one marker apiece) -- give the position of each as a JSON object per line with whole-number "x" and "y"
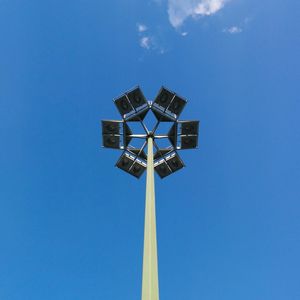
{"x": 71, "y": 225}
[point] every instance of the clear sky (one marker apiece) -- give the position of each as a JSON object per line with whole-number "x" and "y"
{"x": 71, "y": 224}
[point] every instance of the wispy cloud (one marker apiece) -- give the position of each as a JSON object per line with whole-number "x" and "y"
{"x": 180, "y": 10}
{"x": 233, "y": 30}
{"x": 141, "y": 27}
{"x": 145, "y": 42}
{"x": 148, "y": 40}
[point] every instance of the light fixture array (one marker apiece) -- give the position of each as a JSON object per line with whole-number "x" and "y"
{"x": 134, "y": 107}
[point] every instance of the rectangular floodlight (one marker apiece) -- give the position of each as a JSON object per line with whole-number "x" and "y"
{"x": 168, "y": 164}
{"x": 188, "y": 141}
{"x": 137, "y": 98}
{"x": 137, "y": 169}
{"x": 177, "y": 105}
{"x": 111, "y": 127}
{"x": 125, "y": 162}
{"x": 111, "y": 141}
{"x": 130, "y": 164}
{"x": 189, "y": 127}
{"x": 123, "y": 105}
{"x": 163, "y": 99}
{"x": 174, "y": 162}
{"x": 162, "y": 169}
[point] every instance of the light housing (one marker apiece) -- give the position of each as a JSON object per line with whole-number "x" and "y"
{"x": 168, "y": 164}
{"x": 189, "y": 127}
{"x": 131, "y": 164}
{"x": 111, "y": 134}
{"x": 123, "y": 105}
{"x": 111, "y": 141}
{"x": 162, "y": 169}
{"x": 177, "y": 105}
{"x": 163, "y": 99}
{"x": 137, "y": 98}
{"x": 188, "y": 142}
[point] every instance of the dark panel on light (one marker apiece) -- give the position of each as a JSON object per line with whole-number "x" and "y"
{"x": 189, "y": 127}
{"x": 162, "y": 169}
{"x": 111, "y": 141}
{"x": 111, "y": 127}
{"x": 137, "y": 169}
{"x": 189, "y": 142}
{"x": 175, "y": 163}
{"x": 123, "y": 105}
{"x": 136, "y": 98}
{"x": 177, "y": 105}
{"x": 164, "y": 98}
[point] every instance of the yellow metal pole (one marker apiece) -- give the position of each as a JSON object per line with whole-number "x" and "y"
{"x": 150, "y": 269}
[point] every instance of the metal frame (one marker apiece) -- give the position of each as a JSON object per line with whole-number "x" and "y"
{"x": 137, "y": 112}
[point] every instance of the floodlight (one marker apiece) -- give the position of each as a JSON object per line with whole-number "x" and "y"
{"x": 189, "y": 127}
{"x": 125, "y": 162}
{"x": 177, "y": 105}
{"x": 162, "y": 169}
{"x": 111, "y": 127}
{"x": 111, "y": 141}
{"x": 174, "y": 162}
{"x": 137, "y": 169}
{"x": 131, "y": 164}
{"x": 188, "y": 142}
{"x": 123, "y": 105}
{"x": 163, "y": 99}
{"x": 137, "y": 98}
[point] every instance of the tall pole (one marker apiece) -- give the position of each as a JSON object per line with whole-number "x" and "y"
{"x": 150, "y": 268}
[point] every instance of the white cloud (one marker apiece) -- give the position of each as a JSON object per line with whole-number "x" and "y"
{"x": 145, "y": 42}
{"x": 179, "y": 10}
{"x": 141, "y": 27}
{"x": 233, "y": 30}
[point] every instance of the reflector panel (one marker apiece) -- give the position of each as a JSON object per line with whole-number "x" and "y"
{"x": 137, "y": 169}
{"x": 111, "y": 127}
{"x": 189, "y": 142}
{"x": 189, "y": 127}
{"x": 136, "y": 98}
{"x": 111, "y": 141}
{"x": 164, "y": 98}
{"x": 175, "y": 163}
{"x": 123, "y": 105}
{"x": 177, "y": 105}
{"x": 162, "y": 169}
{"x": 125, "y": 162}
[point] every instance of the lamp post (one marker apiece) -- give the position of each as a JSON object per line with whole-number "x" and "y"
{"x": 166, "y": 107}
